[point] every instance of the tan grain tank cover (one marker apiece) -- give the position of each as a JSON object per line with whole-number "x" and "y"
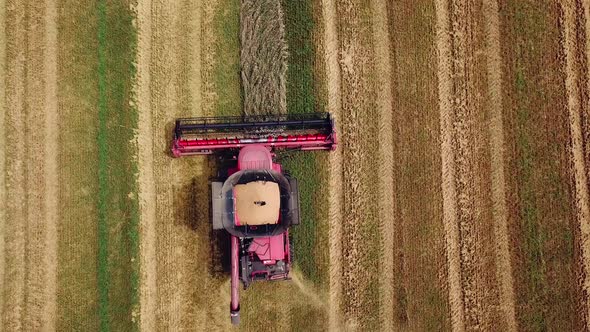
{"x": 257, "y": 202}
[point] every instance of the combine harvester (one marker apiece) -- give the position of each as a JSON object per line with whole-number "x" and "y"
{"x": 256, "y": 201}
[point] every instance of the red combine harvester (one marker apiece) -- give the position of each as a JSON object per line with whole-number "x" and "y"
{"x": 256, "y": 201}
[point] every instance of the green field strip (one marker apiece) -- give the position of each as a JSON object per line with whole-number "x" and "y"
{"x": 77, "y": 294}
{"x": 420, "y": 287}
{"x": 118, "y": 209}
{"x": 310, "y": 238}
{"x": 226, "y": 72}
{"x": 544, "y": 252}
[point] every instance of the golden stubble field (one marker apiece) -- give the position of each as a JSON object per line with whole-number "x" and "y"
{"x": 458, "y": 198}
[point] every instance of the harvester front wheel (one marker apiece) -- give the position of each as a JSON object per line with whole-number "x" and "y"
{"x": 217, "y": 205}
{"x": 235, "y": 320}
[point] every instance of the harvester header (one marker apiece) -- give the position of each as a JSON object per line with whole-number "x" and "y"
{"x": 205, "y": 135}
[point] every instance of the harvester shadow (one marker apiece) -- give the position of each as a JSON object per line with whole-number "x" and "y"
{"x": 199, "y": 221}
{"x": 219, "y": 239}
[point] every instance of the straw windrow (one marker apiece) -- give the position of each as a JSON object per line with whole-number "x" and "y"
{"x": 263, "y": 57}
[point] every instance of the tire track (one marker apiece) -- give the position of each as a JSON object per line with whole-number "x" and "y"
{"x": 578, "y": 162}
{"x": 169, "y": 86}
{"x": 471, "y": 179}
{"x": 586, "y": 126}
{"x": 41, "y": 186}
{"x": 449, "y": 190}
{"x": 51, "y": 166}
{"x": 3, "y": 111}
{"x": 146, "y": 177}
{"x": 381, "y": 42}
{"x": 334, "y": 106}
{"x": 34, "y": 100}
{"x": 496, "y": 132}
{"x": 33, "y": 177}
{"x": 14, "y": 278}
{"x": 163, "y": 68}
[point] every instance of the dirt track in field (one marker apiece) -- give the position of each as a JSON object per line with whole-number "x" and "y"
{"x": 360, "y": 228}
{"x": 578, "y": 109}
{"x": 449, "y": 190}
{"x": 146, "y": 177}
{"x": 496, "y": 134}
{"x": 3, "y": 204}
{"x": 29, "y": 275}
{"x": 334, "y": 106}
{"x": 382, "y": 51}
{"x": 175, "y": 255}
{"x": 473, "y": 184}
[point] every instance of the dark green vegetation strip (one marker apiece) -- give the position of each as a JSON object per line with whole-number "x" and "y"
{"x": 310, "y": 238}
{"x": 226, "y": 73}
{"x": 542, "y": 218}
{"x": 118, "y": 210}
{"x": 77, "y": 294}
{"x": 420, "y": 294}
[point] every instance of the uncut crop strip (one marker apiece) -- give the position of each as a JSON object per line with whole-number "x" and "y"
{"x": 334, "y": 106}
{"x": 381, "y": 43}
{"x": 574, "y": 59}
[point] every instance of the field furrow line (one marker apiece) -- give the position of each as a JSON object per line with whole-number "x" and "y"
{"x": 146, "y": 178}
{"x": 496, "y": 132}
{"x": 3, "y": 111}
{"x": 164, "y": 103}
{"x": 586, "y": 103}
{"x": 449, "y": 190}
{"x": 381, "y": 42}
{"x": 14, "y": 278}
{"x": 578, "y": 162}
{"x": 334, "y": 106}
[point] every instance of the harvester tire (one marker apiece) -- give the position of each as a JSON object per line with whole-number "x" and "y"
{"x": 235, "y": 318}
{"x": 217, "y": 205}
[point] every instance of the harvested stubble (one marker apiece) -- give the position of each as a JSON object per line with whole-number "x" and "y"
{"x": 263, "y": 57}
